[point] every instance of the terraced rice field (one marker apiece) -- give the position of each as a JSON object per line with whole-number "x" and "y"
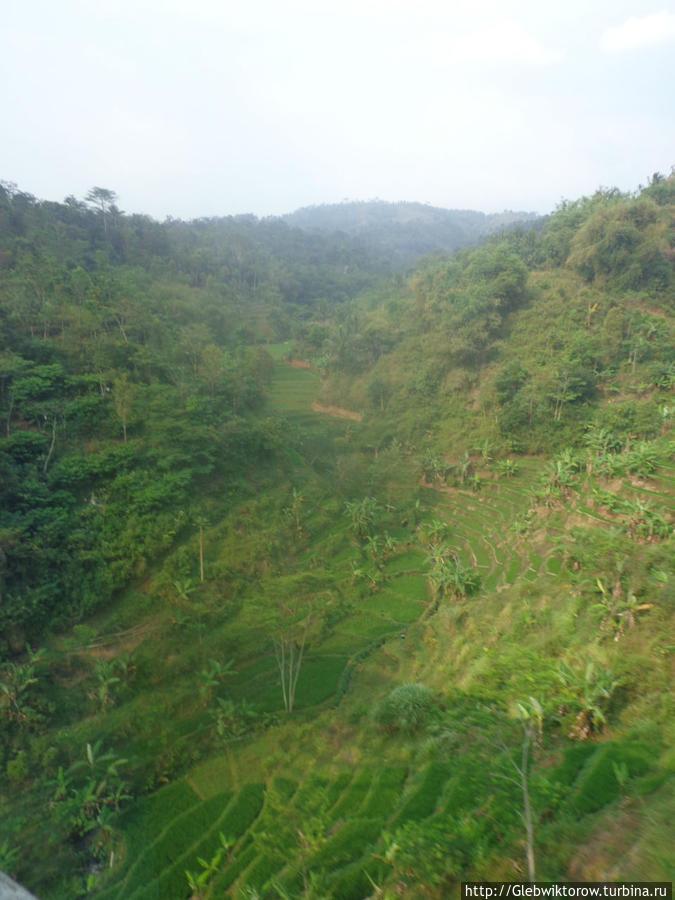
{"x": 264, "y": 825}
{"x": 482, "y": 533}
{"x": 292, "y": 390}
{"x": 360, "y": 806}
{"x": 280, "y": 830}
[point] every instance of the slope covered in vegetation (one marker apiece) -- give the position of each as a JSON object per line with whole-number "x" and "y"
{"x": 279, "y": 653}
{"x": 527, "y": 340}
{"x": 402, "y": 232}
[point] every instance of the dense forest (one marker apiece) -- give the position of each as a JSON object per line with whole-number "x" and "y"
{"x": 402, "y": 232}
{"x": 333, "y": 565}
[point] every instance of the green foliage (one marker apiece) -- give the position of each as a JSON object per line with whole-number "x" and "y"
{"x": 350, "y": 842}
{"x": 425, "y": 796}
{"x": 151, "y": 814}
{"x": 407, "y": 708}
{"x": 125, "y": 328}
{"x": 574, "y": 759}
{"x": 597, "y": 784}
{"x": 384, "y": 793}
{"x": 506, "y": 468}
{"x": 88, "y": 796}
{"x": 213, "y": 677}
{"x": 233, "y": 720}
{"x": 138, "y": 389}
{"x": 183, "y": 829}
{"x": 209, "y": 868}
{"x": 590, "y": 692}
{"x": 244, "y": 810}
{"x": 16, "y": 687}
{"x": 354, "y": 795}
{"x": 436, "y": 853}
{"x": 449, "y": 576}
{"x": 433, "y": 467}
{"x": 364, "y": 515}
{"x": 626, "y": 241}
{"x": 161, "y": 870}
{"x": 8, "y": 857}
{"x": 17, "y": 769}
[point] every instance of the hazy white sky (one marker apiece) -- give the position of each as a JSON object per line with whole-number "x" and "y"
{"x": 213, "y": 107}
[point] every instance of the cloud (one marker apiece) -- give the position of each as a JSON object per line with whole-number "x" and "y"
{"x": 634, "y": 33}
{"x": 507, "y": 43}
{"x": 101, "y": 57}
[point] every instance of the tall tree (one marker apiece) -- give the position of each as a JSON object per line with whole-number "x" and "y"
{"x": 105, "y": 201}
{"x": 124, "y": 394}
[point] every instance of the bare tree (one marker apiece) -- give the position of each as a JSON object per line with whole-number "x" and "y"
{"x": 124, "y": 394}
{"x": 289, "y": 649}
{"x": 531, "y": 716}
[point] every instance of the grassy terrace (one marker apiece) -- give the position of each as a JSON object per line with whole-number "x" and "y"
{"x": 339, "y": 791}
{"x": 323, "y": 790}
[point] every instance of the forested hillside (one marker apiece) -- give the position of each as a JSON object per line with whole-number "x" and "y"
{"x": 402, "y": 232}
{"x": 321, "y": 579}
{"x": 132, "y": 360}
{"x": 528, "y": 341}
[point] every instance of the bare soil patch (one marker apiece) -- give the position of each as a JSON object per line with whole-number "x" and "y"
{"x": 337, "y": 412}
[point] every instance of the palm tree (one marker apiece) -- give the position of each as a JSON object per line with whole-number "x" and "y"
{"x": 449, "y": 576}
{"x": 436, "y": 530}
{"x": 374, "y": 546}
{"x": 363, "y": 515}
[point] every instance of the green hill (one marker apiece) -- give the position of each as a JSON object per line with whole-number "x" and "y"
{"x": 318, "y": 599}
{"x": 402, "y": 232}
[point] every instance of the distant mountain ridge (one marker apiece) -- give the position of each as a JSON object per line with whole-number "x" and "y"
{"x": 406, "y": 230}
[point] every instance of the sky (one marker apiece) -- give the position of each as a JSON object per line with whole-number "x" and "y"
{"x": 221, "y": 107}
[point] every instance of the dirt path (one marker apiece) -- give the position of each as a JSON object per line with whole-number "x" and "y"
{"x": 109, "y": 646}
{"x": 298, "y": 364}
{"x": 337, "y": 412}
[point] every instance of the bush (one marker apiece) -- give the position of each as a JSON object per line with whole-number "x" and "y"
{"x": 406, "y": 709}
{"x": 17, "y": 770}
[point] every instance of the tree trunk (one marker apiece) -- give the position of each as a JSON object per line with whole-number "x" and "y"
{"x": 51, "y": 447}
{"x": 527, "y": 810}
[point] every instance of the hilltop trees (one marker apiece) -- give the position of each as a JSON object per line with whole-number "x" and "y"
{"x": 534, "y": 324}
{"x": 110, "y": 321}
{"x": 104, "y": 201}
{"x": 148, "y": 477}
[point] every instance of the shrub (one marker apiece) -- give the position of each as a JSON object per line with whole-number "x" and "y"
{"x": 406, "y": 709}
{"x": 17, "y": 770}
